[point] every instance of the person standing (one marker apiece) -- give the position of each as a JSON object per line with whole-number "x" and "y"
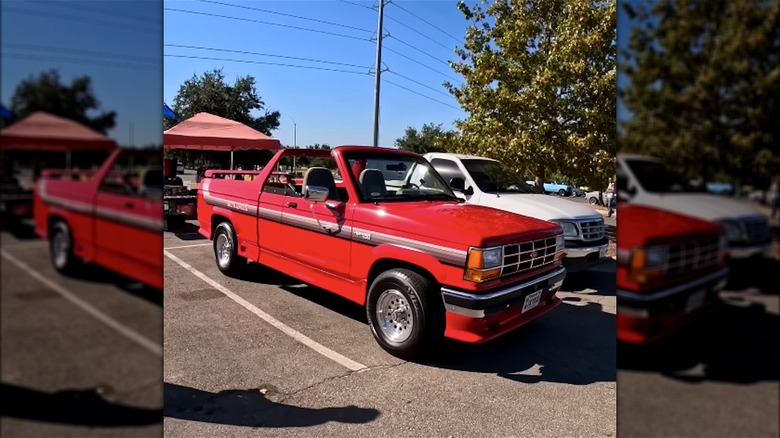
{"x": 611, "y": 198}
{"x": 774, "y": 197}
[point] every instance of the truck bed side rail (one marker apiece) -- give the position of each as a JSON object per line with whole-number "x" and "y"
{"x": 246, "y": 175}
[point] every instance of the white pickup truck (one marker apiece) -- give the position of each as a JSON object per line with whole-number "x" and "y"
{"x": 487, "y": 182}
{"x": 646, "y": 181}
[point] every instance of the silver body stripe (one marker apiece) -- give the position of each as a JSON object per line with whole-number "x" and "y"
{"x": 442, "y": 253}
{"x": 147, "y": 223}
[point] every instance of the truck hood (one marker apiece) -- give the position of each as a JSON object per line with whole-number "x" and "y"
{"x": 544, "y": 207}
{"x": 460, "y": 225}
{"x": 643, "y": 226}
{"x": 699, "y": 205}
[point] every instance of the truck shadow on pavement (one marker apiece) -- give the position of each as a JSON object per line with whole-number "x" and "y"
{"x": 21, "y": 231}
{"x": 749, "y": 274}
{"x": 598, "y": 280}
{"x": 253, "y": 408}
{"x": 98, "y": 275}
{"x": 73, "y": 407}
{"x": 574, "y": 344}
{"x": 188, "y": 231}
{"x": 736, "y": 345}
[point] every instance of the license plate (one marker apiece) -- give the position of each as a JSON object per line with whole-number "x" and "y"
{"x": 531, "y": 301}
{"x": 165, "y": 206}
{"x": 602, "y": 252}
{"x": 695, "y": 301}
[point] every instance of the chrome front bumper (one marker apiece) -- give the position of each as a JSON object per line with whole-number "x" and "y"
{"x": 496, "y": 301}
{"x": 744, "y": 252}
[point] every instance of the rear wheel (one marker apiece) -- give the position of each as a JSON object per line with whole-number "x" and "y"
{"x": 593, "y": 200}
{"x": 562, "y": 192}
{"x": 61, "y": 248}
{"x": 404, "y": 315}
{"x": 226, "y": 250}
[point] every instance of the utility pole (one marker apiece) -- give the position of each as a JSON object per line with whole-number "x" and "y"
{"x": 132, "y": 139}
{"x": 378, "y": 73}
{"x": 295, "y": 140}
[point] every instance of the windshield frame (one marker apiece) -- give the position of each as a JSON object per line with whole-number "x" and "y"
{"x": 669, "y": 177}
{"x": 520, "y": 182}
{"x": 417, "y": 160}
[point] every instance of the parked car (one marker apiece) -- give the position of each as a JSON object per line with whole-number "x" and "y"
{"x": 593, "y": 197}
{"x": 562, "y": 189}
{"x": 388, "y": 233}
{"x": 646, "y": 181}
{"x": 482, "y": 181}
{"x": 15, "y": 202}
{"x": 111, "y": 217}
{"x": 670, "y": 268}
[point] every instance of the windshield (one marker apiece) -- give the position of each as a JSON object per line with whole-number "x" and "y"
{"x": 395, "y": 177}
{"x": 654, "y": 177}
{"x": 492, "y": 176}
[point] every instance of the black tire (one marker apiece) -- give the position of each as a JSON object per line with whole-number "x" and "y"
{"x": 231, "y": 264}
{"x": 562, "y": 192}
{"x": 61, "y": 248}
{"x": 427, "y": 311}
{"x": 593, "y": 200}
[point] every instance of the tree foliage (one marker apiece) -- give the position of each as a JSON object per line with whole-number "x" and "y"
{"x": 212, "y": 94}
{"x": 75, "y": 101}
{"x": 539, "y": 86}
{"x": 704, "y": 84}
{"x": 430, "y": 138}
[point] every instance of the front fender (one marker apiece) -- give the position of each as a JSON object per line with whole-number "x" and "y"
{"x": 443, "y": 273}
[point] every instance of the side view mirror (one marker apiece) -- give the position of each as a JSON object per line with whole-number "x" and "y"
{"x": 458, "y": 184}
{"x": 315, "y": 193}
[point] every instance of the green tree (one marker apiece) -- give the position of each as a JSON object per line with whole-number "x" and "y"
{"x": 703, "y": 87}
{"x": 212, "y": 94}
{"x": 539, "y": 86}
{"x": 430, "y": 138}
{"x": 75, "y": 101}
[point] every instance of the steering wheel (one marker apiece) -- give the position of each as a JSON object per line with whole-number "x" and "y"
{"x": 411, "y": 185}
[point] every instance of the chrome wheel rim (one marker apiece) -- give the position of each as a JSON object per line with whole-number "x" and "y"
{"x": 224, "y": 250}
{"x": 394, "y": 316}
{"x": 60, "y": 249}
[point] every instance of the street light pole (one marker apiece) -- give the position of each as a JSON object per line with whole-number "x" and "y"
{"x": 295, "y": 140}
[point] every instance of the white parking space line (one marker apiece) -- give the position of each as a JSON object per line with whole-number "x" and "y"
{"x": 289, "y": 331}
{"x": 83, "y": 305}
{"x": 187, "y": 246}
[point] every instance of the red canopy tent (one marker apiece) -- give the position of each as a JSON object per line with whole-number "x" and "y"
{"x": 205, "y": 131}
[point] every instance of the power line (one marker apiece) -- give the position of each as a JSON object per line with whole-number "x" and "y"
{"x": 420, "y": 63}
{"x": 287, "y": 15}
{"x": 266, "y": 22}
{"x": 50, "y": 59}
{"x": 80, "y": 52}
{"x": 243, "y": 52}
{"x": 419, "y": 50}
{"x": 419, "y": 83}
{"x": 427, "y": 22}
{"x": 419, "y": 33}
{"x": 245, "y": 61}
{"x": 76, "y": 18}
{"x": 78, "y": 6}
{"x": 420, "y": 94}
{"x": 357, "y": 4}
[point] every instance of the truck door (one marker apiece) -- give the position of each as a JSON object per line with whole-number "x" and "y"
{"x": 128, "y": 216}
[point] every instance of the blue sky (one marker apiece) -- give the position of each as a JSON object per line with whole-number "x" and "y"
{"x": 117, "y": 43}
{"x": 328, "y": 107}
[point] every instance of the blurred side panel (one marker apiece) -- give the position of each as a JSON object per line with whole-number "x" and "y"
{"x": 698, "y": 168}
{"x": 81, "y": 211}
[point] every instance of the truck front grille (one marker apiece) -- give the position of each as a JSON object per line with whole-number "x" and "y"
{"x": 592, "y": 230}
{"x": 525, "y": 256}
{"x": 690, "y": 256}
{"x": 756, "y": 229}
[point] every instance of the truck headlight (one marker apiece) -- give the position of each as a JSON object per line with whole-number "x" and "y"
{"x": 733, "y": 230}
{"x": 647, "y": 263}
{"x": 569, "y": 229}
{"x": 560, "y": 246}
{"x": 484, "y": 264}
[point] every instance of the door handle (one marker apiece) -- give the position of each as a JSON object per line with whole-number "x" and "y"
{"x": 292, "y": 204}
{"x": 129, "y": 205}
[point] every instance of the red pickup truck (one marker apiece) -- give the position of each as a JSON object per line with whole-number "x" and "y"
{"x": 381, "y": 228}
{"x": 111, "y": 217}
{"x": 670, "y": 269}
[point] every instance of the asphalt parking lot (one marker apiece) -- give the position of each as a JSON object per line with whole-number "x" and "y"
{"x": 81, "y": 357}
{"x": 266, "y": 355}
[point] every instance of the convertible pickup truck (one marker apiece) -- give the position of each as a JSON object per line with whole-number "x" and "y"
{"x": 381, "y": 228}
{"x": 670, "y": 269}
{"x": 487, "y": 182}
{"x": 111, "y": 217}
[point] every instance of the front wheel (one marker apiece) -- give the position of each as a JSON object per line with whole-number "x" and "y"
{"x": 593, "y": 200}
{"x": 403, "y": 313}
{"x": 226, "y": 250}
{"x": 61, "y": 248}
{"x": 562, "y": 192}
